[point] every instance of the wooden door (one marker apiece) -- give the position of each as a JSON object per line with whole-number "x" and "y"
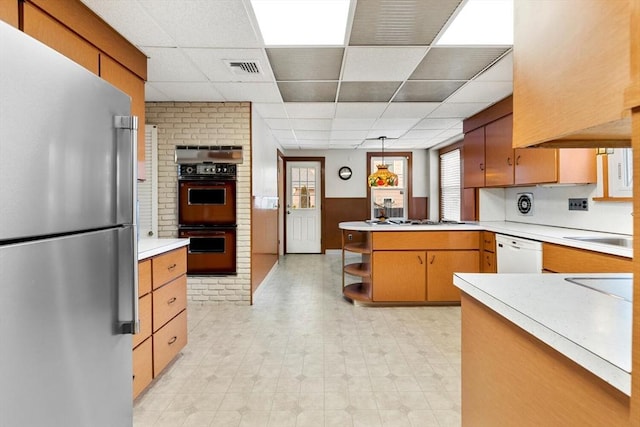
{"x": 473, "y": 158}
{"x": 43, "y": 27}
{"x": 536, "y": 165}
{"x": 440, "y": 268}
{"x": 399, "y": 276}
{"x": 499, "y": 153}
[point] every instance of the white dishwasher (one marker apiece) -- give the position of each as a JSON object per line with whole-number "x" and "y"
{"x": 516, "y": 255}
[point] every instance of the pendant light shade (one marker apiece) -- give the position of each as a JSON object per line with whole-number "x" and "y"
{"x": 383, "y": 177}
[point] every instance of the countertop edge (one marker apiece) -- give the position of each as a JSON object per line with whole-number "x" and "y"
{"x": 600, "y": 367}
{"x": 151, "y": 247}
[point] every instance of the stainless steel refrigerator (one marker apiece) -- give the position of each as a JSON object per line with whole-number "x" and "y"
{"x": 68, "y": 261}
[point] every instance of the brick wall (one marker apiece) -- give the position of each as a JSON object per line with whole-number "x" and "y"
{"x": 206, "y": 123}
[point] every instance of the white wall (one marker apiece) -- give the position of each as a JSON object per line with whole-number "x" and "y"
{"x": 357, "y": 161}
{"x": 265, "y": 163}
{"x": 550, "y": 207}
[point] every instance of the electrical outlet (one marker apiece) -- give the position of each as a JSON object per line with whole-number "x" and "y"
{"x": 349, "y": 236}
{"x": 578, "y": 204}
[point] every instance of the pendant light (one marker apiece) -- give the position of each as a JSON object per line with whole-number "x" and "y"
{"x": 383, "y": 177}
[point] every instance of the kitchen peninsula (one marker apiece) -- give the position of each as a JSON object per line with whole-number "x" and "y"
{"x": 408, "y": 263}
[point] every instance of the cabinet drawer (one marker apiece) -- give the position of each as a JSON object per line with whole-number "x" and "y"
{"x": 144, "y": 308}
{"x": 168, "y": 301}
{"x": 563, "y": 259}
{"x": 488, "y": 241}
{"x": 168, "y": 341}
{"x": 420, "y": 240}
{"x": 142, "y": 367}
{"x": 489, "y": 262}
{"x": 144, "y": 277}
{"x": 167, "y": 267}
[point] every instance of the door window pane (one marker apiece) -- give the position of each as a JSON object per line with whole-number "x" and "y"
{"x": 303, "y": 188}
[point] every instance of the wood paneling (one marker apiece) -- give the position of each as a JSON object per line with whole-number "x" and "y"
{"x": 469, "y": 206}
{"x": 414, "y": 240}
{"x": 264, "y": 244}
{"x": 419, "y": 207}
{"x": 43, "y": 27}
{"x": 339, "y": 210}
{"x": 511, "y": 378}
{"x": 9, "y": 12}
{"x": 571, "y": 69}
{"x": 74, "y": 14}
{"x": 563, "y": 259}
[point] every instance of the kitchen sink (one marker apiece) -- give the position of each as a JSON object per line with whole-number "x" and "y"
{"x": 626, "y": 242}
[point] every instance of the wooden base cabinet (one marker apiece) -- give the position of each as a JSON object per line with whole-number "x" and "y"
{"x": 399, "y": 276}
{"x": 442, "y": 265}
{"x": 162, "y": 290}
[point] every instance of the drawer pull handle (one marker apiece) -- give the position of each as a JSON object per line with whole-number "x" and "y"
{"x": 433, "y": 258}
{"x": 172, "y": 300}
{"x": 172, "y": 340}
{"x": 509, "y": 162}
{"x": 171, "y": 267}
{"x": 420, "y": 259}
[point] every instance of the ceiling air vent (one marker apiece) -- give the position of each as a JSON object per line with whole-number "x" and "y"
{"x": 244, "y": 67}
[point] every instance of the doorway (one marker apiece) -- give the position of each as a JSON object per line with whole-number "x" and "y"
{"x": 304, "y": 198}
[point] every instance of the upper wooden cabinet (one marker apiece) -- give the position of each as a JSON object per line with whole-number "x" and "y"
{"x": 499, "y": 152}
{"x": 473, "y": 158}
{"x": 571, "y": 69}
{"x": 9, "y": 12}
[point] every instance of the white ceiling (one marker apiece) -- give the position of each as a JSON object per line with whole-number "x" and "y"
{"x": 386, "y": 79}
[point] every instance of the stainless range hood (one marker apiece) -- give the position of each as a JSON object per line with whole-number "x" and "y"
{"x": 192, "y": 154}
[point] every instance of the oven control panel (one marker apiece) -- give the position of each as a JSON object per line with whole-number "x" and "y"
{"x": 208, "y": 170}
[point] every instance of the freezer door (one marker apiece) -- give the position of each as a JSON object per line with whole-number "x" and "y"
{"x": 62, "y": 165}
{"x": 63, "y": 358}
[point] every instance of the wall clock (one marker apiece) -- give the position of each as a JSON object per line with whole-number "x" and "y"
{"x": 344, "y": 172}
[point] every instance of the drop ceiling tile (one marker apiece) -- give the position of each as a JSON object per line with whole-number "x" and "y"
{"x": 151, "y": 93}
{"x": 394, "y": 23}
{"x": 441, "y": 124}
{"x": 278, "y": 123}
{"x": 314, "y": 145}
{"x": 132, "y": 21}
{"x": 283, "y": 134}
{"x": 381, "y": 63}
{"x": 501, "y": 71}
{"x": 343, "y": 145}
{"x": 460, "y": 110}
{"x": 395, "y": 123}
{"x": 475, "y": 91}
{"x": 308, "y": 92}
{"x": 204, "y": 23}
{"x": 389, "y": 133}
{"x": 450, "y": 133}
{"x": 313, "y": 135}
{"x": 295, "y": 64}
{"x": 273, "y": 110}
{"x": 254, "y": 92}
{"x": 426, "y": 91}
{"x": 422, "y": 134}
{"x": 407, "y": 144}
{"x": 455, "y": 63}
{"x": 409, "y": 109}
{"x": 311, "y": 124}
{"x": 310, "y": 110}
{"x": 367, "y": 91}
{"x": 188, "y": 91}
{"x": 212, "y": 63}
{"x": 353, "y": 124}
{"x": 171, "y": 65}
{"x": 348, "y": 134}
{"x": 356, "y": 110}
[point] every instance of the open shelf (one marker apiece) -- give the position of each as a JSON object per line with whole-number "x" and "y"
{"x": 357, "y": 247}
{"x": 360, "y": 269}
{"x": 358, "y": 292}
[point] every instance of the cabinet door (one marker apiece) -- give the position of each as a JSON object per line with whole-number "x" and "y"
{"x": 489, "y": 262}
{"x": 473, "y": 158}
{"x": 499, "y": 154}
{"x": 9, "y": 12}
{"x": 440, "y": 269}
{"x": 536, "y": 165}
{"x": 133, "y": 86}
{"x": 42, "y": 27}
{"x": 399, "y": 276}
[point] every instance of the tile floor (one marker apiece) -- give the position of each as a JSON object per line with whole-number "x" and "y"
{"x": 303, "y": 356}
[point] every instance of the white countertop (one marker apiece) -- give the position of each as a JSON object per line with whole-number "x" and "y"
{"x": 590, "y": 327}
{"x": 542, "y": 233}
{"x": 151, "y": 247}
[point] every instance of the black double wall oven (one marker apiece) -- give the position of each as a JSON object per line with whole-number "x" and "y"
{"x": 207, "y": 207}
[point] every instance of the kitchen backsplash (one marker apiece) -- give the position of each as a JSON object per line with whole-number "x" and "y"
{"x": 550, "y": 207}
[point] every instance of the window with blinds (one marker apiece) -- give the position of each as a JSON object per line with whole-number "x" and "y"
{"x": 450, "y": 185}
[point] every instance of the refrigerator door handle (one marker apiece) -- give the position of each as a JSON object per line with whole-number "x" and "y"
{"x": 126, "y": 174}
{"x": 128, "y": 311}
